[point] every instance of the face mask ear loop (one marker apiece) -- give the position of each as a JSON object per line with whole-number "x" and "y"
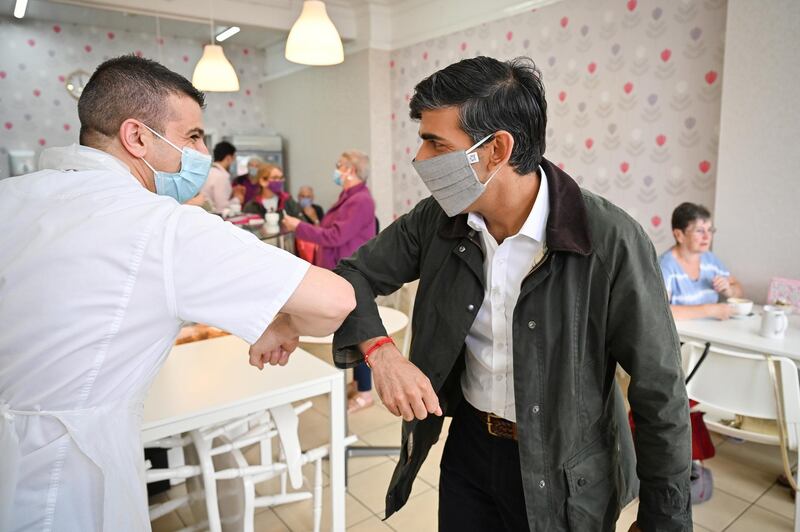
{"x": 165, "y": 139}
{"x": 484, "y": 139}
{"x": 492, "y": 176}
{"x": 150, "y": 167}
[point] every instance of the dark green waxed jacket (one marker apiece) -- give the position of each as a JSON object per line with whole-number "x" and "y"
{"x": 596, "y": 299}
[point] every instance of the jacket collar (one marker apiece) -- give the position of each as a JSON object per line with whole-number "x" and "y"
{"x": 344, "y": 194}
{"x": 567, "y": 224}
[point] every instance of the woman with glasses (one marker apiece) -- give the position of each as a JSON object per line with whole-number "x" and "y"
{"x": 349, "y": 223}
{"x": 694, "y": 276}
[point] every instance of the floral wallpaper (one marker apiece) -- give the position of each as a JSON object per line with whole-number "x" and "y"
{"x": 36, "y": 111}
{"x": 633, "y": 92}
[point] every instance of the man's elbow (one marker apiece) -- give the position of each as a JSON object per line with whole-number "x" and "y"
{"x": 342, "y": 301}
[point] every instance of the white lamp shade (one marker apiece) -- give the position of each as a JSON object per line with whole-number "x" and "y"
{"x": 213, "y": 72}
{"x": 313, "y": 40}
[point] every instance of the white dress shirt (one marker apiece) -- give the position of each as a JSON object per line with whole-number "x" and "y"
{"x": 488, "y": 380}
{"x": 97, "y": 275}
{"x": 218, "y": 189}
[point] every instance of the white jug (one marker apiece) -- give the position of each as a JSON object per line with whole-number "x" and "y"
{"x": 773, "y": 322}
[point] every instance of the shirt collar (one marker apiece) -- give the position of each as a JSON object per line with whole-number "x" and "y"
{"x": 76, "y": 157}
{"x": 536, "y": 222}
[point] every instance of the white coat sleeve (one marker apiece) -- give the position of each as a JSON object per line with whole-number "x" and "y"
{"x": 220, "y": 275}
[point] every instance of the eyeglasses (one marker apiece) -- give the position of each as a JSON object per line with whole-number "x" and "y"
{"x": 701, "y": 231}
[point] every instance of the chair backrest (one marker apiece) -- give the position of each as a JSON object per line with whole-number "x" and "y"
{"x": 740, "y": 383}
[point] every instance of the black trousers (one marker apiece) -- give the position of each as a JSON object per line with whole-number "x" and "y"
{"x": 480, "y": 487}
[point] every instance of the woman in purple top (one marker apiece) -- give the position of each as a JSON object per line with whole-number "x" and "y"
{"x": 348, "y": 224}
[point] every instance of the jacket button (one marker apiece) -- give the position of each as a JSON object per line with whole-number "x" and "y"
{"x": 535, "y": 409}
{"x": 470, "y": 307}
{"x": 461, "y": 249}
{"x": 581, "y": 481}
{"x": 541, "y": 484}
{"x": 531, "y": 325}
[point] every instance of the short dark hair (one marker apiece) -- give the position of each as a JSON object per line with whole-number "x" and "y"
{"x": 129, "y": 87}
{"x": 492, "y": 95}
{"x": 223, "y": 149}
{"x": 686, "y": 213}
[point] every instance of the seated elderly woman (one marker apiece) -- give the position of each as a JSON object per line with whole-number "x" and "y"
{"x": 694, "y": 276}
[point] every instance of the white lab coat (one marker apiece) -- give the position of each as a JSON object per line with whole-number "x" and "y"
{"x": 96, "y": 276}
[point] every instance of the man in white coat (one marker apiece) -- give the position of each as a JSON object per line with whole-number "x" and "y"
{"x": 100, "y": 264}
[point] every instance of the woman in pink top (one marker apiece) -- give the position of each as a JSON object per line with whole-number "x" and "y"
{"x": 348, "y": 224}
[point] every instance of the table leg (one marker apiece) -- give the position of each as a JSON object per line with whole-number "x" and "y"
{"x": 337, "y": 454}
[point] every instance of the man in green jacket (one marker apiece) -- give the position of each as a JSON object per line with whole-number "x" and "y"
{"x": 531, "y": 291}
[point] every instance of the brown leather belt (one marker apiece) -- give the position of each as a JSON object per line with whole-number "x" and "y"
{"x": 497, "y": 426}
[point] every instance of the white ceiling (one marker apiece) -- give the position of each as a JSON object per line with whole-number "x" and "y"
{"x": 252, "y": 36}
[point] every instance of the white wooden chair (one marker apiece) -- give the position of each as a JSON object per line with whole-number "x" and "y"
{"x": 229, "y": 481}
{"x": 749, "y": 396}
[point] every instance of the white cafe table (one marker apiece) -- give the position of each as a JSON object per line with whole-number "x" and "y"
{"x": 741, "y": 334}
{"x": 210, "y": 381}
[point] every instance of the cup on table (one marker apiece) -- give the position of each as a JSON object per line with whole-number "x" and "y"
{"x": 739, "y": 306}
{"x": 773, "y": 322}
{"x": 271, "y": 220}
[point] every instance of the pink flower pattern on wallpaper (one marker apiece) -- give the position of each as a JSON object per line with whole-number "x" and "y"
{"x": 36, "y": 57}
{"x": 633, "y": 91}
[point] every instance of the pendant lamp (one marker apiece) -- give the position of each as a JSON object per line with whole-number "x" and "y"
{"x": 313, "y": 39}
{"x": 214, "y": 73}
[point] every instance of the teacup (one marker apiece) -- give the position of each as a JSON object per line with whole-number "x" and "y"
{"x": 740, "y": 306}
{"x": 272, "y": 219}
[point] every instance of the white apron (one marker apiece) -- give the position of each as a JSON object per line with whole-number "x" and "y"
{"x": 109, "y": 436}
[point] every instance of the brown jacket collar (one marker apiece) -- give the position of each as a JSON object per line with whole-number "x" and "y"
{"x": 567, "y": 224}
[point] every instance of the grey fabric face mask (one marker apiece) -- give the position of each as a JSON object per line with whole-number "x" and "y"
{"x": 451, "y": 179}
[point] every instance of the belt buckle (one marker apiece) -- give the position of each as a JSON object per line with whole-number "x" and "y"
{"x": 489, "y": 424}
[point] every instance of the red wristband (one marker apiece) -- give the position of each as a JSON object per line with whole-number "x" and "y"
{"x": 373, "y": 347}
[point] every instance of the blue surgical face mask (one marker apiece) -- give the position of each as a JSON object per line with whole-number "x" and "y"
{"x": 184, "y": 184}
{"x": 252, "y": 171}
{"x": 305, "y": 202}
{"x": 337, "y": 177}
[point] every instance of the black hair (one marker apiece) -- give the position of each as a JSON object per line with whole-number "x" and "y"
{"x": 223, "y": 149}
{"x": 129, "y": 87}
{"x": 492, "y": 95}
{"x": 686, "y": 213}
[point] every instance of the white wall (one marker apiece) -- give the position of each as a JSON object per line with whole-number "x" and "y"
{"x": 36, "y": 57}
{"x": 758, "y": 188}
{"x": 646, "y": 149}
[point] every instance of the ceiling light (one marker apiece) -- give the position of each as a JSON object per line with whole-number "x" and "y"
{"x": 214, "y": 73}
{"x": 313, "y": 39}
{"x": 19, "y": 8}
{"x": 230, "y": 32}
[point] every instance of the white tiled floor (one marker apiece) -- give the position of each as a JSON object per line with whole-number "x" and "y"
{"x": 745, "y": 498}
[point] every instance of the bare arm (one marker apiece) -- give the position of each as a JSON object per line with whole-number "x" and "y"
{"x": 720, "y": 311}
{"x": 317, "y": 307}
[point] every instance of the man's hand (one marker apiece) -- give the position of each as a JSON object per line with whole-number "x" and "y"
{"x": 276, "y": 344}
{"x": 402, "y": 387}
{"x": 722, "y": 285}
{"x": 290, "y": 223}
